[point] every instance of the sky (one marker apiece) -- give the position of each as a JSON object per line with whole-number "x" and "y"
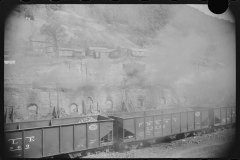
{"x": 204, "y": 8}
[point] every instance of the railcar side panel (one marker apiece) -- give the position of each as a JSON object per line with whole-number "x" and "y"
{"x": 205, "y": 119}
{"x": 167, "y": 125}
{"x": 51, "y": 141}
{"x": 33, "y": 143}
{"x": 139, "y": 128}
{"x": 93, "y": 135}
{"x": 32, "y": 124}
{"x": 157, "y": 126}
{"x": 80, "y": 137}
{"x": 11, "y": 126}
{"x": 233, "y": 114}
{"x": 176, "y": 123}
{"x": 229, "y": 116}
{"x": 106, "y": 133}
{"x": 197, "y": 119}
{"x": 217, "y": 117}
{"x": 148, "y": 127}
{"x": 129, "y": 130}
{"x": 223, "y": 115}
{"x": 66, "y": 137}
{"x": 13, "y": 144}
{"x": 184, "y": 122}
{"x": 190, "y": 121}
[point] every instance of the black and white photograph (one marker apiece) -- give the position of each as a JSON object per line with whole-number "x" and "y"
{"x": 119, "y": 81}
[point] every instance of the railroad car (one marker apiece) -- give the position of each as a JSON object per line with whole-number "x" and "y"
{"x": 47, "y": 138}
{"x": 119, "y": 130}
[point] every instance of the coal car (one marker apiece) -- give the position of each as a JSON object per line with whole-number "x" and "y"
{"x": 119, "y": 130}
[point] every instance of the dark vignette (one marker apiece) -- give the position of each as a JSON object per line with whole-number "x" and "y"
{"x": 218, "y": 7}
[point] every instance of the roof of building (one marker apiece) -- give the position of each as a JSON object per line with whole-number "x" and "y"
{"x": 40, "y": 38}
{"x": 106, "y": 50}
{"x": 139, "y": 50}
{"x": 97, "y": 48}
{"x": 72, "y": 49}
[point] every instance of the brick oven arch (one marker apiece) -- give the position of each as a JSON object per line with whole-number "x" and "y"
{"x": 32, "y": 108}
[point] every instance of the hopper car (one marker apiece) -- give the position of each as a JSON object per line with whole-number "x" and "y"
{"x": 117, "y": 131}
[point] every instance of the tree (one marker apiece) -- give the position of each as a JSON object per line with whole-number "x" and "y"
{"x": 54, "y": 31}
{"x": 26, "y": 10}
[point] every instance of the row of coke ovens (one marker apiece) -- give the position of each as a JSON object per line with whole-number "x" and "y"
{"x": 48, "y": 138}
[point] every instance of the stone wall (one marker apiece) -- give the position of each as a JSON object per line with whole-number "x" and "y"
{"x": 141, "y": 98}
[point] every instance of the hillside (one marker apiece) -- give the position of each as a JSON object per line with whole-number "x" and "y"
{"x": 186, "y": 47}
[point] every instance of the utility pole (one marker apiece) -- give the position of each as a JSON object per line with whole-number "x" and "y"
{"x": 81, "y": 70}
{"x": 126, "y": 104}
{"x": 57, "y": 99}
{"x": 86, "y": 72}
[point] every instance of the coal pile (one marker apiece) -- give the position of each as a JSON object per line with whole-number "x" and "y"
{"x": 87, "y": 119}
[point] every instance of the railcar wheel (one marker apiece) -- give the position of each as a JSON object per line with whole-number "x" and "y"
{"x": 172, "y": 137}
{"x": 186, "y": 134}
{"x": 153, "y": 141}
{"x": 88, "y": 153}
{"x": 126, "y": 146}
{"x": 123, "y": 146}
{"x": 199, "y": 133}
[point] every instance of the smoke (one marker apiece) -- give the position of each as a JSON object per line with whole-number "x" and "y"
{"x": 134, "y": 73}
{"x": 192, "y": 52}
{"x": 185, "y": 41}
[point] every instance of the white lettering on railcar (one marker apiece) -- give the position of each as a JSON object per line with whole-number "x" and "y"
{"x": 158, "y": 127}
{"x": 175, "y": 119}
{"x": 166, "y": 120}
{"x": 14, "y": 140}
{"x": 30, "y": 138}
{"x": 148, "y": 133}
{"x": 92, "y": 141}
{"x": 27, "y": 146}
{"x": 93, "y": 127}
{"x": 141, "y": 133}
{"x": 141, "y": 123}
{"x": 149, "y": 123}
{"x": 197, "y": 114}
{"x": 149, "y": 128}
{"x": 157, "y": 121}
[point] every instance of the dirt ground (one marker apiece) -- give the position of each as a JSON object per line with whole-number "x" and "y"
{"x": 218, "y": 144}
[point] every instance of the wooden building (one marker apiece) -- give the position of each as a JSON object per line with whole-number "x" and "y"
{"x": 118, "y": 52}
{"x": 79, "y": 53}
{"x": 71, "y": 52}
{"x": 66, "y": 52}
{"x": 40, "y": 46}
{"x": 138, "y": 53}
{"x": 94, "y": 52}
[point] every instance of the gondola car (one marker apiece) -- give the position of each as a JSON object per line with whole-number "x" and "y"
{"x": 120, "y": 131}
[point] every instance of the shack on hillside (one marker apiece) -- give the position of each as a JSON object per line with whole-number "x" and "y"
{"x": 39, "y": 46}
{"x": 71, "y": 52}
{"x": 93, "y": 51}
{"x": 66, "y": 52}
{"x": 138, "y": 53}
{"x": 79, "y": 53}
{"x": 118, "y": 52}
{"x": 103, "y": 53}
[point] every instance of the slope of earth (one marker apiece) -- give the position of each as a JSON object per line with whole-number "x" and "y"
{"x": 212, "y": 145}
